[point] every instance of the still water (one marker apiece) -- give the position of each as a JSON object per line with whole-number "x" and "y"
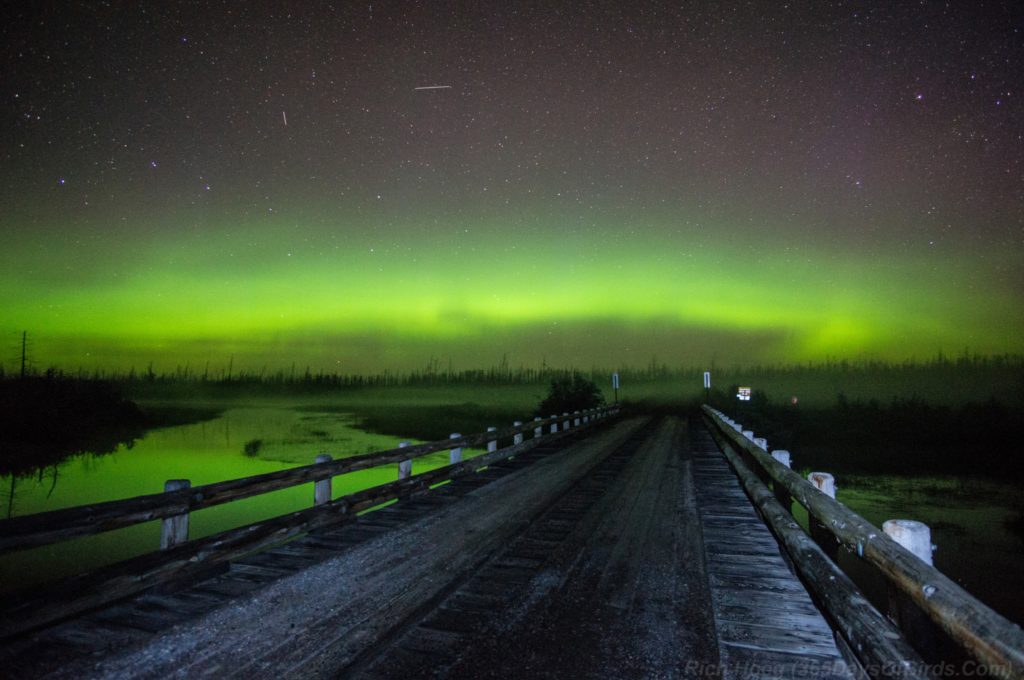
{"x": 240, "y": 443}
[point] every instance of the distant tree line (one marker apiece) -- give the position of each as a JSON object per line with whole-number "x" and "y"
{"x": 502, "y": 374}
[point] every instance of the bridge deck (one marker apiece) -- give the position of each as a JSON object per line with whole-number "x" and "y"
{"x": 631, "y": 553}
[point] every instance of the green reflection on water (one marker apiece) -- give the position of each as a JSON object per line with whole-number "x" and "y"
{"x": 204, "y": 452}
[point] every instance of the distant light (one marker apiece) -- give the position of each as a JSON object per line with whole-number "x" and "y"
{"x": 793, "y": 400}
{"x": 743, "y": 394}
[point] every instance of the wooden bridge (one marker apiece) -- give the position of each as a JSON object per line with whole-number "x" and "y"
{"x": 595, "y": 544}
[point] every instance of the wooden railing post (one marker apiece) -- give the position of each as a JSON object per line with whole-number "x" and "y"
{"x": 404, "y": 466}
{"x": 538, "y": 432}
{"x": 825, "y": 483}
{"x": 322, "y": 487}
{"x": 492, "y": 444}
{"x": 554, "y": 424}
{"x": 781, "y": 494}
{"x": 517, "y": 438}
{"x": 917, "y": 538}
{"x": 174, "y": 530}
{"x": 455, "y": 455}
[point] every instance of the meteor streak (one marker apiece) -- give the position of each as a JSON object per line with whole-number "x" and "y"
{"x": 433, "y": 87}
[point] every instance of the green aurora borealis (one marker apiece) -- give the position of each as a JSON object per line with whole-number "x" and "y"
{"x": 279, "y": 296}
{"x": 643, "y": 210}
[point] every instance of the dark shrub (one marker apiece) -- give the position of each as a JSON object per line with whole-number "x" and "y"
{"x": 570, "y": 393}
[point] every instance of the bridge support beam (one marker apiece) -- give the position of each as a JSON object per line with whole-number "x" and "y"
{"x": 405, "y": 466}
{"x": 322, "y": 488}
{"x": 174, "y": 530}
{"x": 455, "y": 455}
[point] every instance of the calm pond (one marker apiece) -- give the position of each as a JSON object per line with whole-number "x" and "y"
{"x": 239, "y": 443}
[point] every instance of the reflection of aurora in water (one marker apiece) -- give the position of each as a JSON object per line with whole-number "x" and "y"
{"x": 203, "y": 452}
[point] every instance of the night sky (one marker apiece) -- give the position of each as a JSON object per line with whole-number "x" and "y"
{"x": 591, "y": 184}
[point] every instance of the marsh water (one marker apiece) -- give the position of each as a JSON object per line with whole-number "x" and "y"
{"x": 971, "y": 519}
{"x": 239, "y": 443}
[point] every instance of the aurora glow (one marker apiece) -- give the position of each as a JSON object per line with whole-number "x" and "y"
{"x": 597, "y": 186}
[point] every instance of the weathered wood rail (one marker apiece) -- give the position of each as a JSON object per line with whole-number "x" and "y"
{"x": 996, "y": 643}
{"x": 180, "y": 558}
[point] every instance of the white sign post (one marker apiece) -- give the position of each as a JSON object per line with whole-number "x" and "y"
{"x": 615, "y": 386}
{"x": 707, "y": 386}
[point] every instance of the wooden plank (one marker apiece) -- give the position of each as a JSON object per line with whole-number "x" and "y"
{"x": 758, "y": 605}
{"x": 745, "y": 662}
{"x": 808, "y": 639}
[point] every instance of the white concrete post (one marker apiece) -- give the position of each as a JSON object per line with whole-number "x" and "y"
{"x": 455, "y": 455}
{"x": 913, "y": 535}
{"x": 823, "y": 482}
{"x": 782, "y": 456}
{"x": 576, "y": 421}
{"x": 565, "y": 425}
{"x": 554, "y": 425}
{"x": 749, "y": 434}
{"x": 761, "y": 442}
{"x": 917, "y": 538}
{"x": 174, "y": 530}
{"x": 405, "y": 466}
{"x": 322, "y": 487}
{"x": 538, "y": 432}
{"x": 517, "y": 438}
{"x": 492, "y": 444}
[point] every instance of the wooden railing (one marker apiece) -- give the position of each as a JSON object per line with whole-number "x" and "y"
{"x": 995, "y": 643}
{"x": 180, "y": 558}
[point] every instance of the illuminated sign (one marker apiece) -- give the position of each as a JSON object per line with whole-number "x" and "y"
{"x": 743, "y": 394}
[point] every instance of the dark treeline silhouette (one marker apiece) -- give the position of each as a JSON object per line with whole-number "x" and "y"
{"x": 503, "y": 374}
{"x": 44, "y": 419}
{"x": 904, "y": 435}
